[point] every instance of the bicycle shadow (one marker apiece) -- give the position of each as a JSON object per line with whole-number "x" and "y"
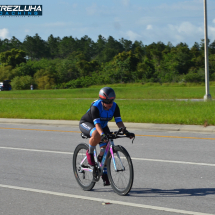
{"x": 139, "y": 192}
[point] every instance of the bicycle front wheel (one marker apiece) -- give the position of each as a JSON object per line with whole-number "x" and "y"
{"x": 121, "y": 178}
{"x": 83, "y": 177}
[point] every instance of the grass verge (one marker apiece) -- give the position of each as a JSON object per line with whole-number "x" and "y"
{"x": 164, "y": 112}
{"x": 126, "y": 91}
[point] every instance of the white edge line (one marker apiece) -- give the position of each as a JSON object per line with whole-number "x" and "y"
{"x": 103, "y": 200}
{"x": 37, "y": 150}
{"x": 177, "y": 162}
{"x": 140, "y": 159}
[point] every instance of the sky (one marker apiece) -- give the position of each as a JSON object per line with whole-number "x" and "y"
{"x": 148, "y": 21}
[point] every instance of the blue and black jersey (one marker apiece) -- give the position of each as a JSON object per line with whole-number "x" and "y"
{"x": 97, "y": 114}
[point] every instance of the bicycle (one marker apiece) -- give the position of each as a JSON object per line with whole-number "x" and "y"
{"x": 87, "y": 175}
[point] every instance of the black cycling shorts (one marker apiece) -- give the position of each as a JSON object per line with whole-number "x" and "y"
{"x": 88, "y": 128}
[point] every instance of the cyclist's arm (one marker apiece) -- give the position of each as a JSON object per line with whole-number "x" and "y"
{"x": 96, "y": 119}
{"x": 99, "y": 128}
{"x": 120, "y": 125}
{"x": 117, "y": 117}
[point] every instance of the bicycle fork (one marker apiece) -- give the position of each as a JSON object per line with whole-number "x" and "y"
{"x": 113, "y": 159}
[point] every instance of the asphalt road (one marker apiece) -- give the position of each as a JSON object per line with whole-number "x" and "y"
{"x": 174, "y": 173}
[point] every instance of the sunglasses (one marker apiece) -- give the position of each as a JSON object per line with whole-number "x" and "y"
{"x": 110, "y": 102}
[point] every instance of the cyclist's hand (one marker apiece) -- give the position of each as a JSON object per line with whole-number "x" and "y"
{"x": 128, "y": 134}
{"x": 104, "y": 138}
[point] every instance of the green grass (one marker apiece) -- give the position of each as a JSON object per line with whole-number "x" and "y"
{"x": 71, "y": 104}
{"x": 123, "y": 91}
{"x": 170, "y": 112}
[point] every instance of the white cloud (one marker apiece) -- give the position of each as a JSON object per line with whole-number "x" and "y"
{"x": 185, "y": 32}
{"x": 186, "y": 29}
{"x": 148, "y": 27}
{"x": 132, "y": 35}
{"x": 4, "y": 33}
{"x": 211, "y": 33}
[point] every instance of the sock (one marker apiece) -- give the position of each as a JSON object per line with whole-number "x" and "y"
{"x": 91, "y": 149}
{"x": 102, "y": 150}
{"x": 105, "y": 170}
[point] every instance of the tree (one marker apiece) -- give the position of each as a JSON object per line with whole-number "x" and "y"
{"x": 127, "y": 44}
{"x": 66, "y": 71}
{"x": 86, "y": 68}
{"x": 112, "y": 48}
{"x": 66, "y": 46}
{"x": 53, "y": 45}
{"x": 145, "y": 70}
{"x": 35, "y": 47}
{"x": 5, "y": 45}
{"x": 15, "y": 43}
{"x": 212, "y": 48}
{"x": 13, "y": 57}
{"x": 87, "y": 47}
{"x": 22, "y": 82}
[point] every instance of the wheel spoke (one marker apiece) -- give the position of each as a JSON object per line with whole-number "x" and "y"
{"x": 84, "y": 178}
{"x": 121, "y": 181}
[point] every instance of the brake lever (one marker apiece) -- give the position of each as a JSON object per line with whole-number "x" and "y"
{"x": 133, "y": 139}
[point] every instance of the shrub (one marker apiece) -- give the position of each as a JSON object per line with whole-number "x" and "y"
{"x": 22, "y": 82}
{"x": 195, "y": 77}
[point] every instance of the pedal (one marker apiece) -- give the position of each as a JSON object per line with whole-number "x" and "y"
{"x": 96, "y": 173}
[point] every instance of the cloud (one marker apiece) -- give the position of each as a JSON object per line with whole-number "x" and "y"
{"x": 211, "y": 33}
{"x": 148, "y": 27}
{"x": 186, "y": 29}
{"x": 4, "y": 33}
{"x": 185, "y": 32}
{"x": 132, "y": 35}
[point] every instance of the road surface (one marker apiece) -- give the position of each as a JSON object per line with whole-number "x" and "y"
{"x": 174, "y": 173}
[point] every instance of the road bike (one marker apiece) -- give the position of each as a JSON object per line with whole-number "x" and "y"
{"x": 119, "y": 166}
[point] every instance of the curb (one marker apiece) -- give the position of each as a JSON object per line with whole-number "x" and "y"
{"x": 135, "y": 126}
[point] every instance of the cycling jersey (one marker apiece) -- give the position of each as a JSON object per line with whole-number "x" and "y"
{"x": 97, "y": 114}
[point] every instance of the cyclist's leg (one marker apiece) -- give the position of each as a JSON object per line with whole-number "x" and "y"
{"x": 103, "y": 144}
{"x": 89, "y": 130}
{"x": 102, "y": 150}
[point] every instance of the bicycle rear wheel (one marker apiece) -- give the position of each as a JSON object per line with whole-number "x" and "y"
{"x": 84, "y": 178}
{"x": 122, "y": 179}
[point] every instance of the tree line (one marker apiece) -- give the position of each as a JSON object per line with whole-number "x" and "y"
{"x": 71, "y": 63}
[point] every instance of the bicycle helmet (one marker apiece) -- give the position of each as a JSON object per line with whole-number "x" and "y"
{"x": 107, "y": 95}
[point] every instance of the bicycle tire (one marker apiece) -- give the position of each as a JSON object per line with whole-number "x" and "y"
{"x": 120, "y": 184}
{"x": 84, "y": 179}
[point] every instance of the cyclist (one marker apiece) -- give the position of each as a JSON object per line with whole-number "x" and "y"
{"x": 94, "y": 125}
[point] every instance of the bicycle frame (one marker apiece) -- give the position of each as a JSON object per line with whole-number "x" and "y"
{"x": 109, "y": 147}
